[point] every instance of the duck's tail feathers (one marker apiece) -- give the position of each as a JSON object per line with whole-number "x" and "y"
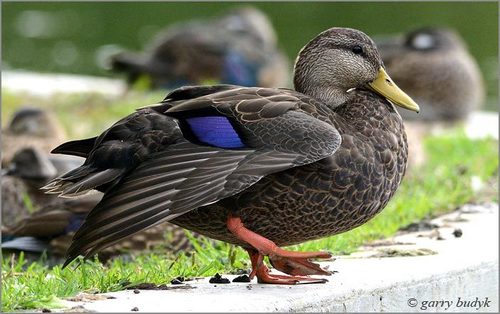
{"x": 80, "y": 148}
{"x": 82, "y": 180}
{"x": 27, "y": 244}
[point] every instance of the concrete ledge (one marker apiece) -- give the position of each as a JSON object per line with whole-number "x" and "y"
{"x": 447, "y": 271}
{"x": 47, "y": 84}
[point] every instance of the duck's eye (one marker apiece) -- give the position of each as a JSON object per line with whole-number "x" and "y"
{"x": 423, "y": 42}
{"x": 357, "y": 50}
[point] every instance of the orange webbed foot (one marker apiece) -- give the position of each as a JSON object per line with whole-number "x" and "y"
{"x": 296, "y": 264}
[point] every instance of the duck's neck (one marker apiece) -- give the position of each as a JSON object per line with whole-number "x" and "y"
{"x": 330, "y": 96}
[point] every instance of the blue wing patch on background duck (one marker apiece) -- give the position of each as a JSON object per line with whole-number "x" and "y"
{"x": 214, "y": 131}
{"x": 239, "y": 70}
{"x": 74, "y": 223}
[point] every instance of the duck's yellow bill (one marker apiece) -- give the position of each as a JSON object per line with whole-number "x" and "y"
{"x": 386, "y": 87}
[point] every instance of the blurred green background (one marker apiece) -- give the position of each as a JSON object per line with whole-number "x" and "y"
{"x": 76, "y": 37}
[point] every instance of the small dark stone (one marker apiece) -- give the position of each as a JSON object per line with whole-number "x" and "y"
{"x": 136, "y": 291}
{"x": 242, "y": 278}
{"x": 419, "y": 226}
{"x": 249, "y": 287}
{"x": 457, "y": 232}
{"x": 218, "y": 279}
{"x": 46, "y": 311}
{"x": 135, "y": 309}
{"x": 177, "y": 281}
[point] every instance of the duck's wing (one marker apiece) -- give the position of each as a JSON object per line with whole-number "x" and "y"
{"x": 234, "y": 137}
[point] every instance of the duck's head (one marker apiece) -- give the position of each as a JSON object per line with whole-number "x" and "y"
{"x": 339, "y": 60}
{"x": 31, "y": 164}
{"x": 31, "y": 121}
{"x": 249, "y": 21}
{"x": 433, "y": 39}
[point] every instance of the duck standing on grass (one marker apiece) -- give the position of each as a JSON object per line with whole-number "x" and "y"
{"x": 256, "y": 167}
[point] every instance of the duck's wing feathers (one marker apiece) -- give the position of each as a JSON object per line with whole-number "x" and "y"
{"x": 235, "y": 137}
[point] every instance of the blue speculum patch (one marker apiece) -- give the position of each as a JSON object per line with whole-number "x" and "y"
{"x": 215, "y": 131}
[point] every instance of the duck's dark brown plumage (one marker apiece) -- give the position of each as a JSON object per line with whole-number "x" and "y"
{"x": 239, "y": 164}
{"x": 333, "y": 195}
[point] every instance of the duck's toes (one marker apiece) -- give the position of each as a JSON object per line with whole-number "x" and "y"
{"x": 289, "y": 280}
{"x": 297, "y": 266}
{"x": 264, "y": 276}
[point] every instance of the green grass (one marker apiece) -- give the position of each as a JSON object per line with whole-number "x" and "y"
{"x": 441, "y": 185}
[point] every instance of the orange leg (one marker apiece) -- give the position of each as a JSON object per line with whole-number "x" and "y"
{"x": 293, "y": 263}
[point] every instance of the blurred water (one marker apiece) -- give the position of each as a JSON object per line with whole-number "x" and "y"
{"x": 77, "y": 37}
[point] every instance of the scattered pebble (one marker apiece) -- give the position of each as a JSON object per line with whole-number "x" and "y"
{"x": 135, "y": 309}
{"x": 46, "y": 311}
{"x": 457, "y": 232}
{"x": 242, "y": 278}
{"x": 249, "y": 287}
{"x": 420, "y": 226}
{"x": 177, "y": 281}
{"x": 136, "y": 291}
{"x": 218, "y": 279}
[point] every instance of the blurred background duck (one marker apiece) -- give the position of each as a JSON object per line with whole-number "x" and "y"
{"x": 34, "y": 222}
{"x": 433, "y": 65}
{"x": 31, "y": 127}
{"x": 237, "y": 48}
{"x": 32, "y": 168}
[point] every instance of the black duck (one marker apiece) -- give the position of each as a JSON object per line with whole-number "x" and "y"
{"x": 256, "y": 167}
{"x": 435, "y": 68}
{"x": 237, "y": 48}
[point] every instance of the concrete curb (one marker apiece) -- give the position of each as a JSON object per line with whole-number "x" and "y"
{"x": 47, "y": 84}
{"x": 449, "y": 273}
